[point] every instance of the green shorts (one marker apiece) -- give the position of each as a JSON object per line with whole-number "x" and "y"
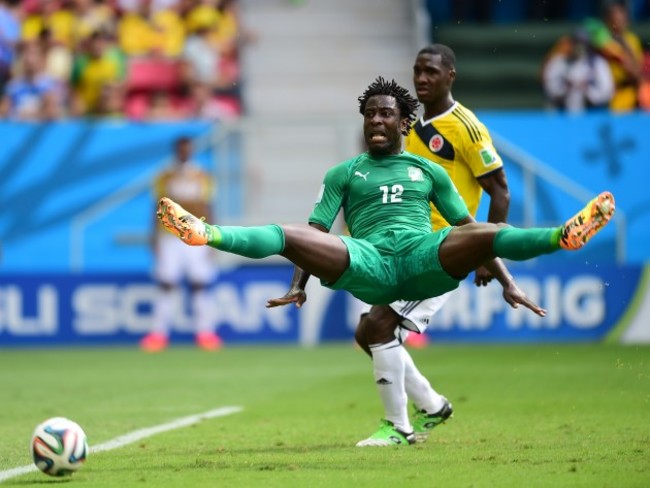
{"x": 399, "y": 265}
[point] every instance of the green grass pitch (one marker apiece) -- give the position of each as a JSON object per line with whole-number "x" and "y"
{"x": 525, "y": 416}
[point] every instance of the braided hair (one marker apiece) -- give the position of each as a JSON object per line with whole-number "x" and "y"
{"x": 407, "y": 104}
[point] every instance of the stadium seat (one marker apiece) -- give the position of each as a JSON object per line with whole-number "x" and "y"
{"x": 136, "y": 106}
{"x": 152, "y": 74}
{"x": 229, "y": 68}
{"x": 229, "y": 106}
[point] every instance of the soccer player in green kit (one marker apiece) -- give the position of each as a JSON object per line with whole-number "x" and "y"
{"x": 391, "y": 252}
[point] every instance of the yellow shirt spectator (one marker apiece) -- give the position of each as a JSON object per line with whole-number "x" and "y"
{"x": 623, "y": 50}
{"x": 93, "y": 71}
{"x": 92, "y": 77}
{"x": 61, "y": 23}
{"x": 625, "y": 94}
{"x": 171, "y": 32}
{"x": 202, "y": 16}
{"x": 136, "y": 36}
{"x": 227, "y": 31}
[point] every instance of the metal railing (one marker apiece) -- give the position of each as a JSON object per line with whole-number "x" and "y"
{"x": 533, "y": 168}
{"x": 101, "y": 207}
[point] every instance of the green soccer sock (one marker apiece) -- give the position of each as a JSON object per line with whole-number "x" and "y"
{"x": 251, "y": 242}
{"x": 522, "y": 244}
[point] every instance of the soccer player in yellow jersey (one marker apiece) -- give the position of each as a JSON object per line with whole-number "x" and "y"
{"x": 451, "y": 136}
{"x": 174, "y": 261}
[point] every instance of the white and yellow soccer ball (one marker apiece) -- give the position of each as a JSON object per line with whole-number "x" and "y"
{"x": 59, "y": 446}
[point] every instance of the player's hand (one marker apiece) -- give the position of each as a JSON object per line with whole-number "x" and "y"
{"x": 482, "y": 276}
{"x": 515, "y": 297}
{"x": 294, "y": 295}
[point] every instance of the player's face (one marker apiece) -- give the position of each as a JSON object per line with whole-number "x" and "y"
{"x": 183, "y": 151}
{"x": 383, "y": 125}
{"x": 431, "y": 78}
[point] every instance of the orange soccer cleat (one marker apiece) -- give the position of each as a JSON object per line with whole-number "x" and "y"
{"x": 181, "y": 223}
{"x": 417, "y": 341}
{"x": 154, "y": 342}
{"x": 583, "y": 226}
{"x": 208, "y": 341}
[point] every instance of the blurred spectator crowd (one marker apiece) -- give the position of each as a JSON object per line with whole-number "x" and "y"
{"x": 602, "y": 64}
{"x": 133, "y": 59}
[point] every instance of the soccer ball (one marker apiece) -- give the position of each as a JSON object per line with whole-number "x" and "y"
{"x": 59, "y": 446}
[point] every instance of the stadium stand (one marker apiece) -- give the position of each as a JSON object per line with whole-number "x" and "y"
{"x": 502, "y": 51}
{"x": 118, "y": 57}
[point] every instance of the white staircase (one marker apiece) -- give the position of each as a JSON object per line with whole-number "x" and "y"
{"x": 311, "y": 62}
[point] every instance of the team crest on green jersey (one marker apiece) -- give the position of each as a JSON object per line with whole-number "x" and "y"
{"x": 415, "y": 174}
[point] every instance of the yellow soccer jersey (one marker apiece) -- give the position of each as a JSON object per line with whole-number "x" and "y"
{"x": 461, "y": 144}
{"x": 189, "y": 185}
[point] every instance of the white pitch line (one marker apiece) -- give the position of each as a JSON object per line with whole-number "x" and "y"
{"x": 134, "y": 436}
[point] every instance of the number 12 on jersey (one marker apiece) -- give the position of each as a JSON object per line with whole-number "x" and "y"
{"x": 395, "y": 194}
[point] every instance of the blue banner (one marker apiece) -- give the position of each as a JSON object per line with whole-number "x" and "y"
{"x": 74, "y": 187}
{"x": 118, "y": 308}
{"x": 585, "y": 303}
{"x": 596, "y": 151}
{"x": 74, "y": 192}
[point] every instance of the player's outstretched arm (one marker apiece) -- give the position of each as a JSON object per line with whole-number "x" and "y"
{"x": 511, "y": 292}
{"x": 495, "y": 185}
{"x": 296, "y": 293}
{"x": 515, "y": 297}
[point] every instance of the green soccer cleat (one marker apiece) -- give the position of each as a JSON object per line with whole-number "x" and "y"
{"x": 387, "y": 435}
{"x": 424, "y": 423}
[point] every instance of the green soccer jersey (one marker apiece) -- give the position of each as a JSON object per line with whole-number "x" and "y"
{"x": 391, "y": 193}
